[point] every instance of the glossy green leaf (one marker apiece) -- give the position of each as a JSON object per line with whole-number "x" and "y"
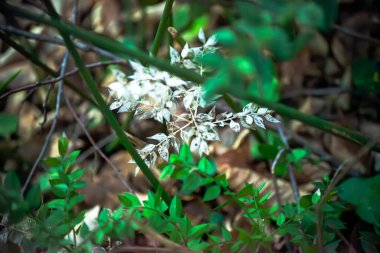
{"x": 310, "y": 14}
{"x": 129, "y": 200}
{"x": 185, "y": 154}
{"x": 77, "y": 174}
{"x": 191, "y": 183}
{"x": 167, "y": 171}
{"x": 198, "y": 230}
{"x": 212, "y": 193}
{"x": 364, "y": 193}
{"x": 103, "y": 217}
{"x": 59, "y": 204}
{"x": 63, "y": 145}
{"x": 175, "y": 209}
{"x": 207, "y": 166}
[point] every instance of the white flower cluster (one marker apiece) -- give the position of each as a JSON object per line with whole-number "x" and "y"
{"x": 157, "y": 94}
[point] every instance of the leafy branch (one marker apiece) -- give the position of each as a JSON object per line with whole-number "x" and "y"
{"x": 129, "y": 51}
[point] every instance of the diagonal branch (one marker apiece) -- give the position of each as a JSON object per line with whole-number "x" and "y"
{"x": 110, "y": 117}
{"x": 54, "y": 80}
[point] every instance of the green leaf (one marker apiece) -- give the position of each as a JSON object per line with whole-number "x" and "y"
{"x": 59, "y": 204}
{"x": 63, "y": 145}
{"x": 226, "y": 234}
{"x": 280, "y": 219}
{"x": 248, "y": 190}
{"x": 222, "y": 180}
{"x": 61, "y": 230}
{"x": 206, "y": 166}
{"x": 268, "y": 151}
{"x": 129, "y": 200}
{"x": 78, "y": 185}
{"x": 103, "y": 217}
{"x": 161, "y": 225}
{"x": 182, "y": 16}
{"x": 84, "y": 231}
{"x": 226, "y": 37}
{"x": 305, "y": 201}
{"x": 198, "y": 230}
{"x": 310, "y": 14}
{"x": 175, "y": 209}
{"x": 59, "y": 190}
{"x": 297, "y": 154}
{"x": 12, "y": 182}
{"x": 52, "y": 162}
{"x": 33, "y": 197}
{"x": 167, "y": 171}
{"x": 185, "y": 154}
{"x": 77, "y": 174}
{"x": 8, "y": 80}
{"x": 364, "y": 193}
{"x": 75, "y": 200}
{"x": 316, "y": 196}
{"x": 212, "y": 193}
{"x": 243, "y": 65}
{"x": 330, "y": 10}
{"x": 197, "y": 245}
{"x": 191, "y": 183}
{"x": 8, "y": 124}
{"x": 265, "y": 197}
{"x": 71, "y": 158}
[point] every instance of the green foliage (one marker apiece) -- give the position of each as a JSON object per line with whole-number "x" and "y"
{"x": 363, "y": 193}
{"x": 301, "y": 221}
{"x": 52, "y": 224}
{"x": 281, "y": 28}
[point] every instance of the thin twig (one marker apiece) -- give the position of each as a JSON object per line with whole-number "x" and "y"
{"x": 8, "y": 29}
{"x": 292, "y": 177}
{"x": 56, "y": 116}
{"x": 315, "y": 92}
{"x": 116, "y": 170}
{"x": 52, "y": 128}
{"x": 54, "y": 80}
{"x": 354, "y": 34}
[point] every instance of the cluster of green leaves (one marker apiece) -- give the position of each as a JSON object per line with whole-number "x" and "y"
{"x": 364, "y": 194}
{"x": 264, "y": 32}
{"x": 296, "y": 157}
{"x": 45, "y": 225}
{"x": 57, "y": 218}
{"x": 12, "y": 202}
{"x": 203, "y": 176}
{"x": 55, "y": 224}
{"x": 301, "y": 221}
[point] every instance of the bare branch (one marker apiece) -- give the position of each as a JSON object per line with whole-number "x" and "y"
{"x": 54, "y": 80}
